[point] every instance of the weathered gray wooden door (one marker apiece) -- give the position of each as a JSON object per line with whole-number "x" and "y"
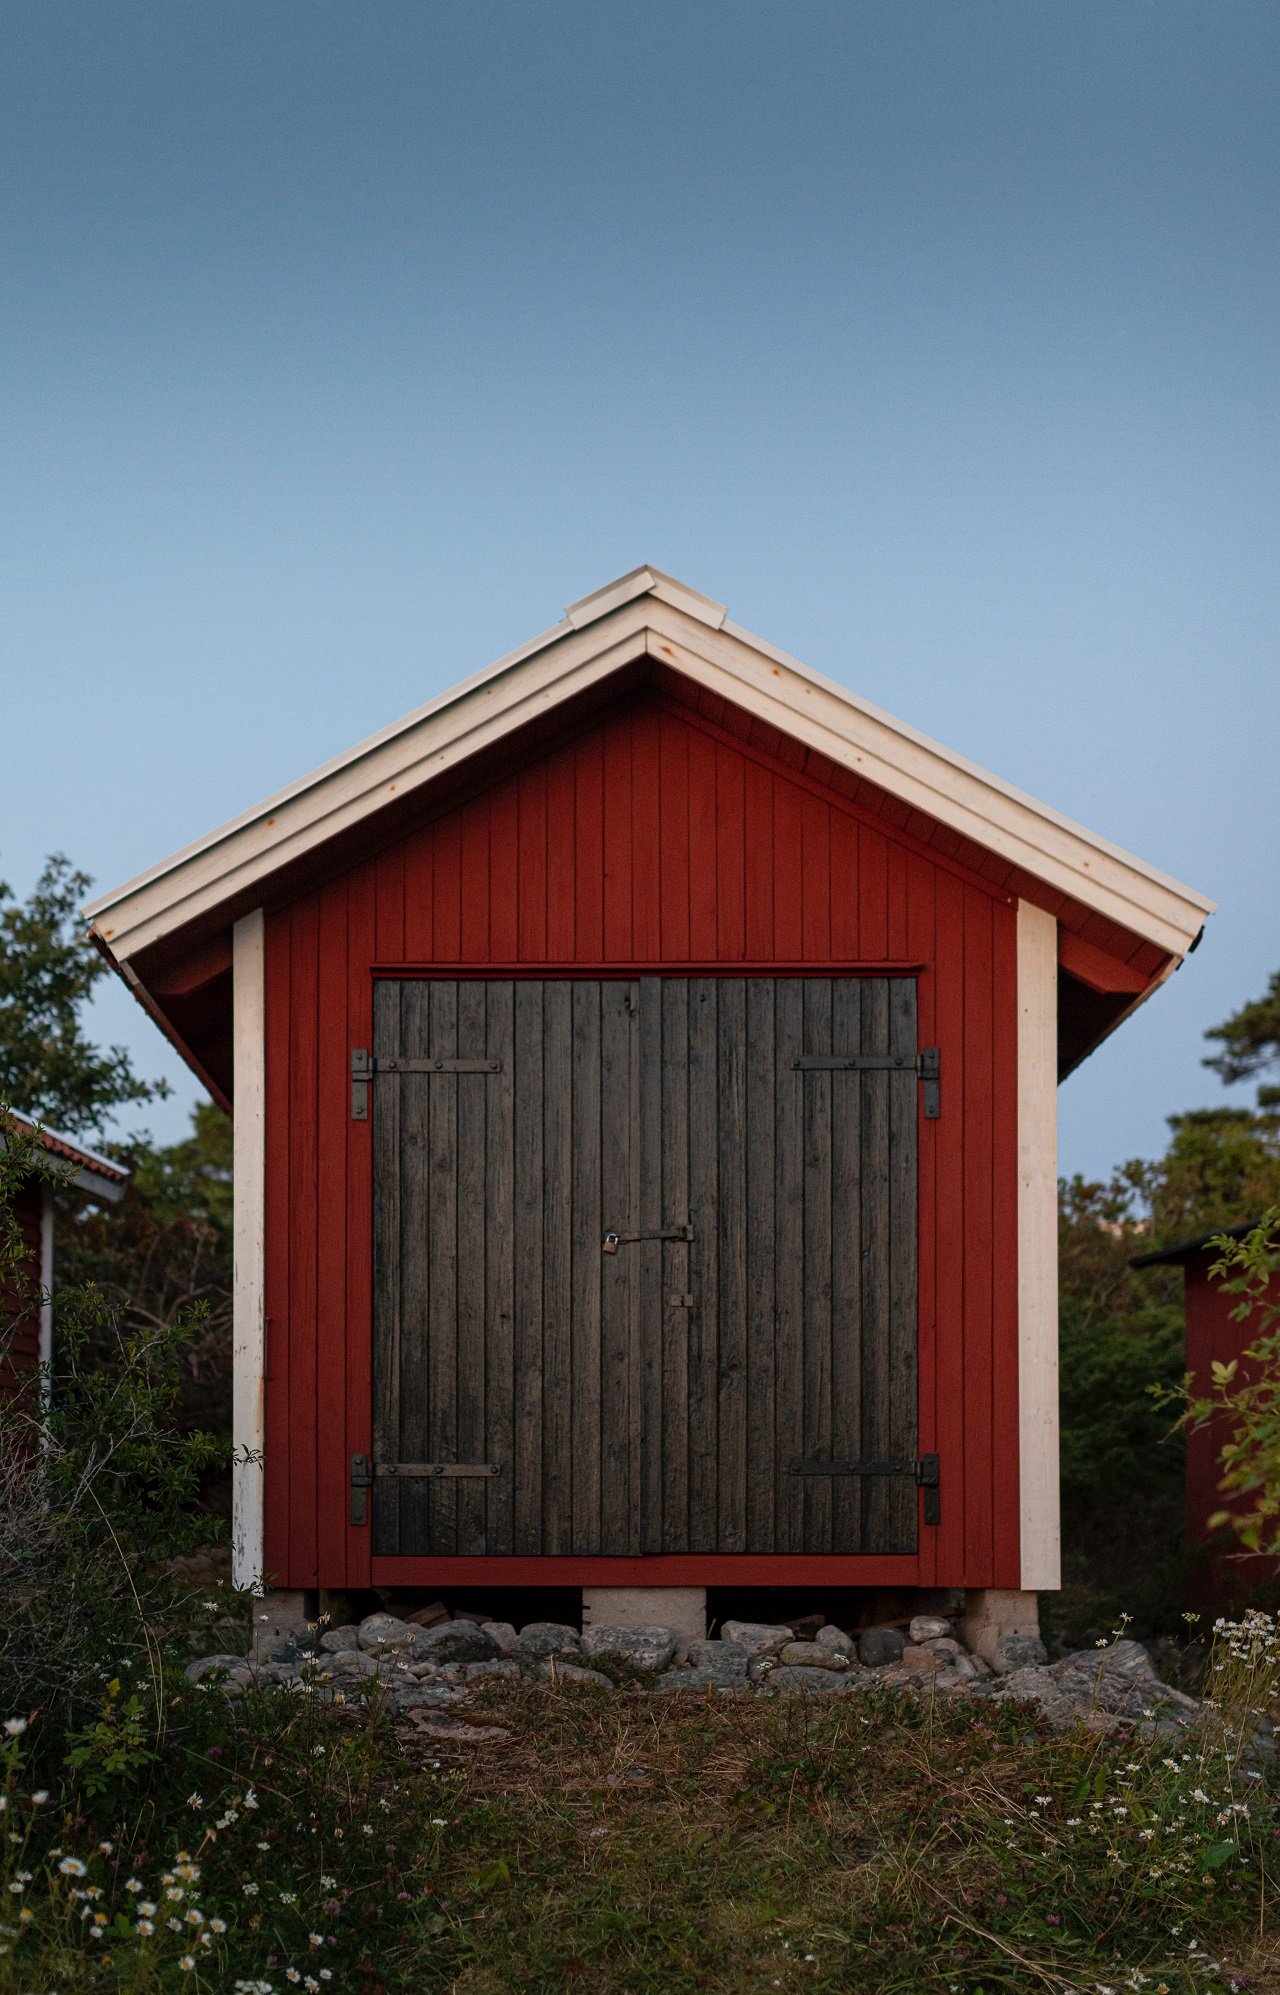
{"x": 721, "y": 1375}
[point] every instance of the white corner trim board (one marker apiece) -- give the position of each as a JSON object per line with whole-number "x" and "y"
{"x": 1038, "y": 1247}
{"x": 248, "y": 1321}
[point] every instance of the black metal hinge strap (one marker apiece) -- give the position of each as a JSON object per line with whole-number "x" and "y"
{"x": 361, "y": 1482}
{"x": 364, "y": 1066}
{"x": 924, "y": 1471}
{"x": 926, "y": 1065}
{"x": 405, "y": 1470}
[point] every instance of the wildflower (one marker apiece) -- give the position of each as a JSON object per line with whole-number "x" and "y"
{"x": 316, "y": 1939}
{"x": 106, "y": 1848}
{"x": 195, "y": 1801}
{"x": 17, "y": 1888}
{"x": 145, "y": 1927}
{"x": 15, "y": 1727}
{"x": 250, "y": 1799}
{"x": 328, "y": 1883}
{"x": 288, "y": 1897}
{"x": 195, "y": 1917}
{"x": 250, "y": 1890}
{"x": 311, "y": 1984}
{"x": 132, "y": 1884}
{"x": 71, "y": 1866}
{"x": 187, "y": 1962}
{"x": 39, "y": 1798}
{"x": 175, "y": 1893}
{"x": 147, "y": 1909}
{"x": 174, "y": 1925}
{"x": 217, "y": 1925}
{"x": 292, "y": 1974}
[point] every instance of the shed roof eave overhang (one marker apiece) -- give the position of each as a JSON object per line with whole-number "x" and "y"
{"x": 645, "y": 613}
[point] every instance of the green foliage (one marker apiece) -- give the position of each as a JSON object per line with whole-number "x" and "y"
{"x": 622, "y": 1842}
{"x": 99, "y": 1485}
{"x": 49, "y": 1068}
{"x": 1250, "y": 1038}
{"x": 164, "y": 1252}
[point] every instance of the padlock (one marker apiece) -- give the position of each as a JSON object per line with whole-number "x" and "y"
{"x": 610, "y": 1244}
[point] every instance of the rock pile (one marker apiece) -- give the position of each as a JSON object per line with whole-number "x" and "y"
{"x": 411, "y": 1667}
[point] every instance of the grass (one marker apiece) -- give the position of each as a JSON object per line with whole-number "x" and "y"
{"x": 626, "y": 1842}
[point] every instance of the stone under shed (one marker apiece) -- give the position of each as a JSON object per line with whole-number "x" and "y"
{"x": 643, "y": 1061}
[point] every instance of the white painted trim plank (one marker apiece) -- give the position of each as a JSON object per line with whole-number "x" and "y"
{"x": 1037, "y": 954}
{"x": 249, "y": 1161}
{"x": 647, "y": 611}
{"x": 46, "y": 1277}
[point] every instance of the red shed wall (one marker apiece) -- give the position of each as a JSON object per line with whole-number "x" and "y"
{"x": 654, "y": 839}
{"x": 1211, "y": 1333}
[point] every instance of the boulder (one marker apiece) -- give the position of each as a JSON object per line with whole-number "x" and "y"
{"x": 1018, "y": 1652}
{"x": 790, "y": 1676}
{"x": 348, "y": 1663}
{"x": 503, "y": 1634}
{"x": 453, "y": 1642}
{"x": 919, "y": 1661}
{"x": 944, "y": 1645}
{"x": 335, "y": 1640}
{"x": 427, "y": 1696}
{"x": 219, "y": 1666}
{"x": 380, "y": 1632}
{"x": 927, "y": 1627}
{"x": 726, "y": 1662}
{"x": 645, "y": 1648}
{"x": 549, "y": 1638}
{"x": 880, "y": 1646}
{"x": 812, "y": 1655}
{"x": 505, "y": 1666}
{"x": 700, "y": 1679}
{"x": 835, "y": 1639}
{"x": 759, "y": 1638}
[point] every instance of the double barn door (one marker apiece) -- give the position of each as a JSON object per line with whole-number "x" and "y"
{"x": 644, "y": 1265}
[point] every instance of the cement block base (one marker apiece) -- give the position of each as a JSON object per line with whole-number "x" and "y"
{"x": 990, "y": 1612}
{"x": 680, "y": 1608}
{"x": 280, "y": 1619}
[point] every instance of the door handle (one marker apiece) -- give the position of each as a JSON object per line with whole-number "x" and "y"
{"x": 613, "y": 1239}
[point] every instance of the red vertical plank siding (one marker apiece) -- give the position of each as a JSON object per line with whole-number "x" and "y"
{"x": 356, "y": 1142}
{"x": 561, "y": 872}
{"x": 333, "y": 1115}
{"x": 655, "y": 838}
{"x": 518, "y": 857}
{"x": 646, "y": 878}
{"x": 1004, "y": 1315}
{"x": 588, "y": 852}
{"x": 674, "y": 845}
{"x": 921, "y": 946}
{"x": 702, "y": 849}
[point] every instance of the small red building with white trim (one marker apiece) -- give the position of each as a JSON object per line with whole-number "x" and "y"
{"x": 643, "y": 1061}
{"x": 26, "y": 1334}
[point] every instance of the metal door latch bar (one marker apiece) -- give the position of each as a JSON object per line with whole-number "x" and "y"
{"x": 923, "y": 1471}
{"x": 613, "y": 1239}
{"x": 361, "y": 1483}
{"x": 926, "y": 1065}
{"x": 365, "y": 1065}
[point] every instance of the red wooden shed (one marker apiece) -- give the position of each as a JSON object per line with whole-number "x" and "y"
{"x": 26, "y": 1334}
{"x": 643, "y": 1063}
{"x": 1221, "y": 1574}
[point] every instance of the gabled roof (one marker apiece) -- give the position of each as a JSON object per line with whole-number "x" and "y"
{"x": 89, "y": 1171}
{"x": 646, "y": 613}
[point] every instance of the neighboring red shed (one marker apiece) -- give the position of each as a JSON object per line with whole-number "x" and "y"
{"x": 643, "y": 1063}
{"x": 26, "y": 1333}
{"x": 1221, "y": 1574}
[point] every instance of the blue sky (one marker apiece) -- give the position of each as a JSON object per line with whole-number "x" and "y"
{"x": 342, "y": 346}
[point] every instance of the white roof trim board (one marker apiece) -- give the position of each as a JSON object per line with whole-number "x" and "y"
{"x": 642, "y": 613}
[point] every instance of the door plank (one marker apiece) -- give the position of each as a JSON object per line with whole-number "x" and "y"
{"x": 499, "y": 1263}
{"x": 472, "y": 1225}
{"x": 877, "y": 1499}
{"x": 677, "y": 1264}
{"x": 650, "y": 1303}
{"x": 527, "y": 1451}
{"x": 761, "y": 1332}
{"x": 788, "y": 1249}
{"x": 705, "y": 1279}
{"x": 617, "y": 1003}
{"x": 587, "y": 1228}
{"x": 732, "y": 1299}
{"x": 441, "y": 1042}
{"x": 557, "y": 1191}
{"x": 817, "y": 1090}
{"x": 903, "y": 1251}
{"x": 846, "y": 1263}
